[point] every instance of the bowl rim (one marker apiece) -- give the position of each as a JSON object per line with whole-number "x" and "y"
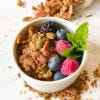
{"x": 48, "y": 82}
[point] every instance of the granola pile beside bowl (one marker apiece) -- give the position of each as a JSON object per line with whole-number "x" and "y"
{"x": 50, "y": 53}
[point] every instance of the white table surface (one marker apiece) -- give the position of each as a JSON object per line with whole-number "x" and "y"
{"x": 10, "y": 24}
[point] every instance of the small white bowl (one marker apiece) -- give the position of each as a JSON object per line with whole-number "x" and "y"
{"x": 50, "y": 86}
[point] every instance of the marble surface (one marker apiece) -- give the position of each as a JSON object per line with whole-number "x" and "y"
{"x": 10, "y": 24}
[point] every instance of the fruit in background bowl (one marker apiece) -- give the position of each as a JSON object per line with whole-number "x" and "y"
{"x": 36, "y": 53}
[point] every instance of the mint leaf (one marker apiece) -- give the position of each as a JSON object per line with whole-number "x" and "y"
{"x": 70, "y": 53}
{"x": 70, "y": 37}
{"x": 82, "y": 32}
{"x": 84, "y": 47}
{"x": 78, "y": 40}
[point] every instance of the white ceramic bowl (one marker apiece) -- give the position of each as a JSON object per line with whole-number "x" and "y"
{"x": 50, "y": 86}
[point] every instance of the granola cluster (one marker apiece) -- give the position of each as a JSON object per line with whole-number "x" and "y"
{"x": 34, "y": 49}
{"x": 58, "y": 8}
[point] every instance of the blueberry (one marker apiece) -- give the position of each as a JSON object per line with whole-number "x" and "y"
{"x": 49, "y": 26}
{"x": 54, "y": 63}
{"x": 61, "y": 34}
{"x": 58, "y": 76}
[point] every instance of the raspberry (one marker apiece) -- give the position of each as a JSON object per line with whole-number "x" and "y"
{"x": 62, "y": 45}
{"x": 69, "y": 66}
{"x": 49, "y": 26}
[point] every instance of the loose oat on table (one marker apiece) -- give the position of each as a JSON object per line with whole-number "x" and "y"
{"x": 71, "y": 93}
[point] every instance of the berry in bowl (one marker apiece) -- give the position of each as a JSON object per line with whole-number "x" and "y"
{"x": 50, "y": 52}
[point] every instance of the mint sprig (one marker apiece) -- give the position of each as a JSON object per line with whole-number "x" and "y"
{"x": 78, "y": 40}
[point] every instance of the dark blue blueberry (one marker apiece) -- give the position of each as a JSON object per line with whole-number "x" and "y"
{"x": 49, "y": 26}
{"x": 58, "y": 76}
{"x": 54, "y": 63}
{"x": 61, "y": 34}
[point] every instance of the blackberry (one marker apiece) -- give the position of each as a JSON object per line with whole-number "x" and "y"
{"x": 49, "y": 26}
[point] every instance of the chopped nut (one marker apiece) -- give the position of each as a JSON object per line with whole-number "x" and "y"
{"x": 51, "y": 35}
{"x": 42, "y": 58}
{"x": 46, "y": 53}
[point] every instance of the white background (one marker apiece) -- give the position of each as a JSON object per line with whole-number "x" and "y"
{"x": 10, "y": 24}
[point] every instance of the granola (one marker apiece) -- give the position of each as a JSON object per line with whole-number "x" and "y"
{"x": 34, "y": 49}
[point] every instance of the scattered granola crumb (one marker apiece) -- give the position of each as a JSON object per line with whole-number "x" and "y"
{"x": 90, "y": 15}
{"x": 19, "y": 76}
{"x": 47, "y": 96}
{"x": 89, "y": 99}
{"x": 24, "y": 92}
{"x": 6, "y": 35}
{"x": 27, "y": 19}
{"x": 30, "y": 98}
{"x": 90, "y": 92}
{"x": 34, "y": 8}
{"x": 94, "y": 83}
{"x": 20, "y": 3}
{"x": 71, "y": 93}
{"x": 96, "y": 72}
{"x": 9, "y": 67}
{"x": 20, "y": 92}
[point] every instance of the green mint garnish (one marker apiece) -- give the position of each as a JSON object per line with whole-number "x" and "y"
{"x": 78, "y": 40}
